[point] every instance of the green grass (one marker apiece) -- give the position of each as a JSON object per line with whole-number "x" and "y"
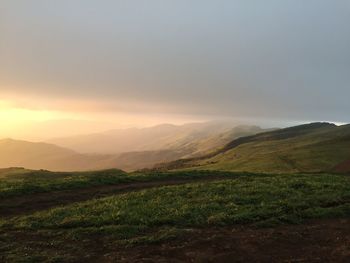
{"x": 17, "y": 182}
{"x": 319, "y": 151}
{"x": 27, "y": 182}
{"x": 163, "y": 213}
{"x": 261, "y": 199}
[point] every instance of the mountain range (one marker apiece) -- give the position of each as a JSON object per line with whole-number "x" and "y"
{"x": 189, "y": 138}
{"x": 314, "y": 147}
{"x": 128, "y": 149}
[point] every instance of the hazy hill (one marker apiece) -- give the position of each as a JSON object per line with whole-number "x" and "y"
{"x": 166, "y": 143}
{"x": 188, "y": 138}
{"x": 306, "y": 148}
{"x": 31, "y": 155}
{"x": 14, "y": 153}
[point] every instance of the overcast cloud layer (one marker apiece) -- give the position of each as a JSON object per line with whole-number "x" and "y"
{"x": 286, "y": 59}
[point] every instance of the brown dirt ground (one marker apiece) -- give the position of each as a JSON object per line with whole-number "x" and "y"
{"x": 343, "y": 167}
{"x": 314, "y": 241}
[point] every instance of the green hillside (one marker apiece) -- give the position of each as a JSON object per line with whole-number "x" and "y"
{"x": 314, "y": 147}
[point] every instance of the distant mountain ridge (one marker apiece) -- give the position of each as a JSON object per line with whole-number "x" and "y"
{"x": 187, "y": 137}
{"x": 314, "y": 147}
{"x": 15, "y": 153}
{"x": 169, "y": 143}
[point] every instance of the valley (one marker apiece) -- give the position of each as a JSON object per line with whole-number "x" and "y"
{"x": 127, "y": 149}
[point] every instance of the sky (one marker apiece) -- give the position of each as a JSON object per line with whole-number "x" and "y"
{"x": 128, "y": 63}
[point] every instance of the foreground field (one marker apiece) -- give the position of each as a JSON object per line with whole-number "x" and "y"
{"x": 314, "y": 241}
{"x": 214, "y": 215}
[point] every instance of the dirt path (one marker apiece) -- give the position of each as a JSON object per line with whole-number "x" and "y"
{"x": 315, "y": 241}
{"x": 26, "y": 204}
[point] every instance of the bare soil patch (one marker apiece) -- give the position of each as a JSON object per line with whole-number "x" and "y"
{"x": 343, "y": 167}
{"x": 315, "y": 241}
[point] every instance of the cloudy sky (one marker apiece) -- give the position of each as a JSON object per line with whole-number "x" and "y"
{"x": 147, "y": 61}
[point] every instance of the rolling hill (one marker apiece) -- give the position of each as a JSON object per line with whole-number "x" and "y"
{"x": 15, "y": 153}
{"x": 188, "y": 141}
{"x": 315, "y": 147}
{"x": 190, "y": 138}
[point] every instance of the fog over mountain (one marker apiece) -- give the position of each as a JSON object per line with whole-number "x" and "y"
{"x": 204, "y": 136}
{"x": 127, "y": 149}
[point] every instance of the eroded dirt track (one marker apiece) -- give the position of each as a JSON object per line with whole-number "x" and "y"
{"x": 26, "y": 204}
{"x": 315, "y": 241}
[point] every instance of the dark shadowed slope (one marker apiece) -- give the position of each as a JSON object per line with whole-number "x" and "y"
{"x": 281, "y": 134}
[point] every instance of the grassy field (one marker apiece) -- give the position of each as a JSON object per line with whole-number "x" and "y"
{"x": 17, "y": 181}
{"x": 155, "y": 215}
{"x": 20, "y": 181}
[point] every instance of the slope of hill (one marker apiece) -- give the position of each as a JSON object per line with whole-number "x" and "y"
{"x": 188, "y": 138}
{"x": 306, "y": 148}
{"x": 197, "y": 141}
{"x": 14, "y": 153}
{"x": 31, "y": 155}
